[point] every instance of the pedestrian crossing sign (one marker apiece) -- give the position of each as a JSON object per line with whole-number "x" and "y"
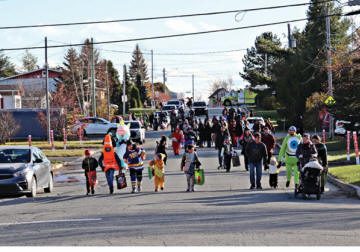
{"x": 330, "y": 101}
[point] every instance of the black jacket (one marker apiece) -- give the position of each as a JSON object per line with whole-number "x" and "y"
{"x": 322, "y": 154}
{"x": 305, "y": 152}
{"x": 256, "y": 152}
{"x": 220, "y": 138}
{"x": 89, "y": 164}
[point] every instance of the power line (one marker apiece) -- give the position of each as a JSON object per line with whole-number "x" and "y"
{"x": 177, "y": 53}
{"x": 160, "y": 17}
{"x": 171, "y": 35}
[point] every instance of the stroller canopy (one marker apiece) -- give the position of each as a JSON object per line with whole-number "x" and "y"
{"x": 313, "y": 164}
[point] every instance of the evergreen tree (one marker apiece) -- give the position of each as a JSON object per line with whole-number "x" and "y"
{"x": 29, "y": 61}
{"x": 6, "y": 67}
{"x": 138, "y": 71}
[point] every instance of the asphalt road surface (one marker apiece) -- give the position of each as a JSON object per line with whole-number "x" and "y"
{"x": 221, "y": 212}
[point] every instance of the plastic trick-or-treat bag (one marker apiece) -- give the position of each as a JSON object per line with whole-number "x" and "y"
{"x": 121, "y": 181}
{"x": 199, "y": 176}
{"x": 235, "y": 159}
{"x": 150, "y": 173}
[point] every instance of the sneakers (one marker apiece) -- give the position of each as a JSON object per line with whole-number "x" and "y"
{"x": 259, "y": 187}
{"x": 219, "y": 167}
{"x": 111, "y": 190}
{"x": 252, "y": 187}
{"x": 92, "y": 191}
{"x": 133, "y": 190}
{"x": 287, "y": 183}
{"x": 192, "y": 190}
{"x": 188, "y": 190}
{"x": 162, "y": 188}
{"x": 156, "y": 190}
{"x": 139, "y": 189}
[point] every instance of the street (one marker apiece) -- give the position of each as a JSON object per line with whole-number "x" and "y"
{"x": 221, "y": 212}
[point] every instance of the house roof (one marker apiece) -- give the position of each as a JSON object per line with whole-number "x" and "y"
{"x": 29, "y": 73}
{"x": 217, "y": 91}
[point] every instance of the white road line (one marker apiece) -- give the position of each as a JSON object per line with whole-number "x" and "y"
{"x": 48, "y": 221}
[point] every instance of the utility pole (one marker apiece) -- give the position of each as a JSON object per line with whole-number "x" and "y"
{"x": 93, "y": 84}
{"x": 47, "y": 92}
{"x": 152, "y": 79}
{"x": 124, "y": 90}
{"x": 289, "y": 35}
{"x": 164, "y": 75}
{"x": 328, "y": 48}
{"x": 266, "y": 64}
{"x": 193, "y": 91}
{"x": 107, "y": 89}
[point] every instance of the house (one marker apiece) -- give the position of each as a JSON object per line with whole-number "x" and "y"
{"x": 30, "y": 86}
{"x": 215, "y": 98}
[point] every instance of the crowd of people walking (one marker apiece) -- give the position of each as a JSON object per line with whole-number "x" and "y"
{"x": 228, "y": 134}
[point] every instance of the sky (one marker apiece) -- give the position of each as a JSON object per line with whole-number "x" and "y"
{"x": 206, "y": 68}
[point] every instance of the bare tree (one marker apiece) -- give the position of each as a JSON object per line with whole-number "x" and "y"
{"x": 8, "y": 126}
{"x": 217, "y": 84}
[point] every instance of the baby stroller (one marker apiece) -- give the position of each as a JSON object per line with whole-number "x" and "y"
{"x": 310, "y": 180}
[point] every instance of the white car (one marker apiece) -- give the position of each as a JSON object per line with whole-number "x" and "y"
{"x": 252, "y": 120}
{"x": 137, "y": 131}
{"x": 169, "y": 108}
{"x": 94, "y": 126}
{"x": 177, "y": 103}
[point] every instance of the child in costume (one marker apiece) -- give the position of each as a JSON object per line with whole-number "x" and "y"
{"x": 122, "y": 136}
{"x": 189, "y": 162}
{"x": 110, "y": 162}
{"x": 89, "y": 166}
{"x": 273, "y": 173}
{"x": 287, "y": 154}
{"x": 158, "y": 167}
{"x": 134, "y": 157}
{"x": 177, "y": 139}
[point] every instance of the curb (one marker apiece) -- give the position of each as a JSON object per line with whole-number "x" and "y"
{"x": 57, "y": 167}
{"x": 349, "y": 189}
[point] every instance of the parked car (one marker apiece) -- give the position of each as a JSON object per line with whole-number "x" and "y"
{"x": 199, "y": 108}
{"x": 169, "y": 108}
{"x": 252, "y": 120}
{"x": 94, "y": 126}
{"x": 24, "y": 170}
{"x": 177, "y": 103}
{"x": 349, "y": 123}
{"x": 137, "y": 131}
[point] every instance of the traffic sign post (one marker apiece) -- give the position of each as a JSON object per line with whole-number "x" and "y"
{"x": 52, "y": 140}
{"x": 65, "y": 138}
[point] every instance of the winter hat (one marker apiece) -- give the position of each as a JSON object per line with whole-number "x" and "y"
{"x": 87, "y": 153}
{"x": 292, "y": 128}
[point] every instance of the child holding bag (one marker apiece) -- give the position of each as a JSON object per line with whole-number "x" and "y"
{"x": 158, "y": 169}
{"x": 89, "y": 166}
{"x": 189, "y": 162}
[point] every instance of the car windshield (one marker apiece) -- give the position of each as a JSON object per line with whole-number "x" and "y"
{"x": 8, "y": 156}
{"x": 173, "y": 103}
{"x": 199, "y": 104}
{"x": 168, "y": 107}
{"x": 133, "y": 125}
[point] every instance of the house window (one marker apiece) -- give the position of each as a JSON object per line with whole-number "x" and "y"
{"x": 17, "y": 102}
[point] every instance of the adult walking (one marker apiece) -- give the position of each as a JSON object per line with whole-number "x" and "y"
{"x": 256, "y": 152}
{"x": 245, "y": 139}
{"x": 208, "y": 133}
{"x": 219, "y": 143}
{"x": 322, "y": 157}
{"x": 287, "y": 154}
{"x": 110, "y": 162}
{"x": 161, "y": 148}
{"x": 269, "y": 140}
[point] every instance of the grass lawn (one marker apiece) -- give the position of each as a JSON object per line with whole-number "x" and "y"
{"x": 44, "y": 145}
{"x": 64, "y": 153}
{"x": 339, "y": 156}
{"x": 349, "y": 174}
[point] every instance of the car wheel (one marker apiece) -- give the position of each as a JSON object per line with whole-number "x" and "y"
{"x": 33, "y": 188}
{"x": 50, "y": 187}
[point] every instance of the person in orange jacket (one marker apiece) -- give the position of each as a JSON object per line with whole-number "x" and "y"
{"x": 110, "y": 162}
{"x": 177, "y": 139}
